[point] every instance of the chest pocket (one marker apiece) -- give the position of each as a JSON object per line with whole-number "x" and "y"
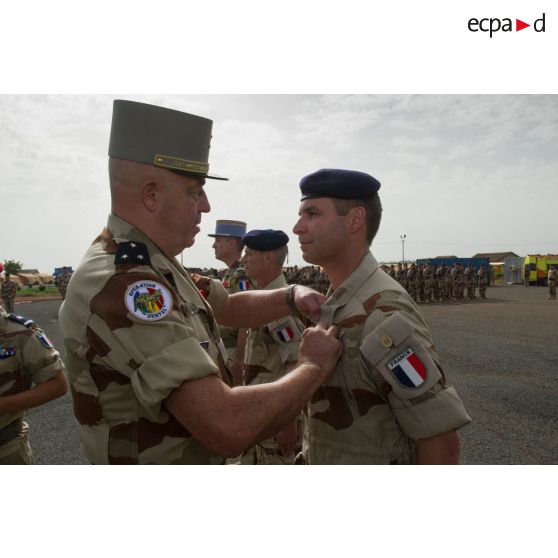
{"x": 397, "y": 352}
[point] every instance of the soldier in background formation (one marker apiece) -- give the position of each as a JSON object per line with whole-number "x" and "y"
{"x": 31, "y": 374}
{"x": 228, "y": 249}
{"x": 428, "y": 282}
{"x": 552, "y": 280}
{"x": 412, "y": 281}
{"x": 526, "y": 274}
{"x": 471, "y": 281}
{"x": 311, "y": 276}
{"x": 8, "y": 292}
{"x": 62, "y": 279}
{"x": 271, "y": 350}
{"x": 483, "y": 281}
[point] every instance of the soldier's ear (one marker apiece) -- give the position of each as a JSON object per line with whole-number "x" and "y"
{"x": 150, "y": 194}
{"x": 357, "y": 219}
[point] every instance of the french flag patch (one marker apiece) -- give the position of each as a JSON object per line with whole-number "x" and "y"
{"x": 285, "y": 334}
{"x": 408, "y": 369}
{"x": 244, "y": 285}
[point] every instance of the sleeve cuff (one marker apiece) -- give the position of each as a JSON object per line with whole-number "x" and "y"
{"x": 159, "y": 375}
{"x": 217, "y": 296}
{"x": 442, "y": 412}
{"x": 48, "y": 372}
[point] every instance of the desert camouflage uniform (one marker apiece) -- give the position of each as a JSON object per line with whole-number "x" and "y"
{"x": 526, "y": 275}
{"x": 412, "y": 281}
{"x": 459, "y": 282}
{"x": 400, "y": 274}
{"x": 441, "y": 283}
{"x": 428, "y": 282}
{"x": 8, "y": 293}
{"x": 125, "y": 357}
{"x": 471, "y": 280}
{"x": 26, "y": 358}
{"x": 552, "y": 280}
{"x": 483, "y": 282}
{"x": 449, "y": 283}
{"x": 362, "y": 414}
{"x": 62, "y": 282}
{"x": 420, "y": 281}
{"x": 268, "y": 353}
{"x": 234, "y": 281}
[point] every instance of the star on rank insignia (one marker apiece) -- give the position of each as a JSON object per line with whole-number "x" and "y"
{"x": 132, "y": 253}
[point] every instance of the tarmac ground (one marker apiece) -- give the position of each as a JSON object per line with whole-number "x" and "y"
{"x": 501, "y": 354}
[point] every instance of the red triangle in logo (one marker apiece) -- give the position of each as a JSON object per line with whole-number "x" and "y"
{"x": 519, "y": 25}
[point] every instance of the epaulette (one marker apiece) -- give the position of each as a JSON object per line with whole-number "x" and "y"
{"x": 132, "y": 253}
{"x": 24, "y": 321}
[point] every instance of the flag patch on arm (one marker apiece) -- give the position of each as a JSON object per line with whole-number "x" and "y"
{"x": 408, "y": 369}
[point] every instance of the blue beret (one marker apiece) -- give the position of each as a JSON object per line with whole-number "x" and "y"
{"x": 338, "y": 183}
{"x": 265, "y": 240}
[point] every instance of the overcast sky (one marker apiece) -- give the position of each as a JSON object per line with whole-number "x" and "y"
{"x": 460, "y": 174}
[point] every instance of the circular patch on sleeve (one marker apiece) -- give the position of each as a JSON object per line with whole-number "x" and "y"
{"x": 148, "y": 300}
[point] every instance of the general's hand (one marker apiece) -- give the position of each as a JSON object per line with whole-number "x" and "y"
{"x": 202, "y": 282}
{"x": 287, "y": 439}
{"x": 320, "y": 346}
{"x": 308, "y": 302}
{"x": 237, "y": 371}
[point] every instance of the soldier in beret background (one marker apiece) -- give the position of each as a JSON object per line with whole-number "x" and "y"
{"x": 388, "y": 401}
{"x": 31, "y": 374}
{"x": 272, "y": 349}
{"x": 228, "y": 249}
{"x": 144, "y": 354}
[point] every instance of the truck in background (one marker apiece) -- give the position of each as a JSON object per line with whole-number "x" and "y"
{"x": 538, "y": 267}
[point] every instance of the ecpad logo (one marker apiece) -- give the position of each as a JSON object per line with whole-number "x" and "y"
{"x": 493, "y": 25}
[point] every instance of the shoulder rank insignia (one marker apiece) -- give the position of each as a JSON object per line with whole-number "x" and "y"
{"x": 7, "y": 352}
{"x": 27, "y": 322}
{"x": 132, "y": 253}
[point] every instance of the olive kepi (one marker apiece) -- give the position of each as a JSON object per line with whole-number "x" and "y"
{"x": 162, "y": 137}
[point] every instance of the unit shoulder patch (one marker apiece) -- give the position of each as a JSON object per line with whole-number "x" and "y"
{"x": 132, "y": 253}
{"x": 148, "y": 300}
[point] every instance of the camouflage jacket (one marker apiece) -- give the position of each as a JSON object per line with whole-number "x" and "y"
{"x": 234, "y": 281}
{"x": 271, "y": 347}
{"x": 135, "y": 328}
{"x": 552, "y": 277}
{"x": 62, "y": 281}
{"x": 26, "y": 358}
{"x": 8, "y": 290}
{"x": 388, "y": 388}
